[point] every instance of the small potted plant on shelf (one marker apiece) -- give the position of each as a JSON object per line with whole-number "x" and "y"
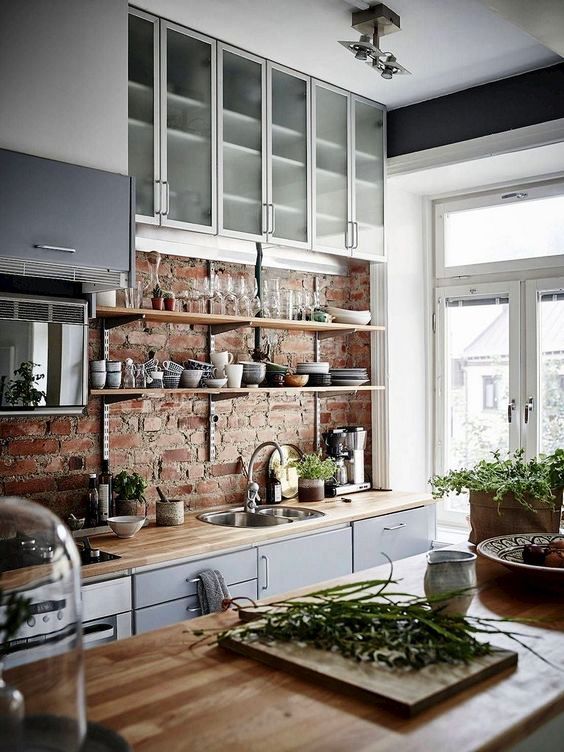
{"x": 169, "y": 301}
{"x": 157, "y": 299}
{"x": 130, "y": 490}
{"x": 508, "y": 496}
{"x": 312, "y": 472}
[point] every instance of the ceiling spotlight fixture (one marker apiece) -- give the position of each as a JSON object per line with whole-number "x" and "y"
{"x": 373, "y": 23}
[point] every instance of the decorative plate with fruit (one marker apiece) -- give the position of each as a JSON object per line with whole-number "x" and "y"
{"x": 537, "y": 556}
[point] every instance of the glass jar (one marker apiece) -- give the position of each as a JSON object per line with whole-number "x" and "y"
{"x": 42, "y": 692}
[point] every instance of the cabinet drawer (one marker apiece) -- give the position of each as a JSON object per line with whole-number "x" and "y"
{"x": 397, "y": 535}
{"x": 304, "y": 561}
{"x": 155, "y": 617}
{"x": 106, "y": 598}
{"x": 170, "y": 583}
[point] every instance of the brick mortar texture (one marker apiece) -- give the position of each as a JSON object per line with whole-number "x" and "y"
{"x": 49, "y": 458}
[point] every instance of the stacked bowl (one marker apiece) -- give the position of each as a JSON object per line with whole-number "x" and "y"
{"x": 207, "y": 369}
{"x": 344, "y": 316}
{"x": 349, "y": 376}
{"x": 172, "y": 373}
{"x": 253, "y": 373}
{"x": 318, "y": 373}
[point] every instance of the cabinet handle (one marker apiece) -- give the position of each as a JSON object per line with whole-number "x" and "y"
{"x": 272, "y": 218}
{"x": 193, "y": 610}
{"x": 194, "y": 579}
{"x": 529, "y": 407}
{"x": 396, "y": 527}
{"x": 510, "y": 408}
{"x": 166, "y": 186}
{"x": 266, "y": 573}
{"x": 355, "y": 235}
{"x": 56, "y": 248}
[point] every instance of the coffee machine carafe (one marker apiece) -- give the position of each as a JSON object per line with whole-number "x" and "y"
{"x": 345, "y": 446}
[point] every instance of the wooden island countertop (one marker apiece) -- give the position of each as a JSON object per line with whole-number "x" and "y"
{"x": 164, "y": 695}
{"x": 159, "y": 546}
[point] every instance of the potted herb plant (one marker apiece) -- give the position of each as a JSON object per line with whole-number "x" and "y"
{"x": 22, "y": 390}
{"x": 312, "y": 472}
{"x": 130, "y": 490}
{"x": 169, "y": 301}
{"x": 508, "y": 496}
{"x": 157, "y": 299}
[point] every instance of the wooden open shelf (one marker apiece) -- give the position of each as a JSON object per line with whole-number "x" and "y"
{"x": 212, "y": 319}
{"x": 146, "y": 393}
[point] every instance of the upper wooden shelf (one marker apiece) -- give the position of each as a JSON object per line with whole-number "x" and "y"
{"x": 226, "y": 322}
{"x": 233, "y": 392}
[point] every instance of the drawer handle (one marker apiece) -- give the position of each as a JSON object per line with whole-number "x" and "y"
{"x": 56, "y": 248}
{"x": 193, "y": 610}
{"x": 396, "y": 527}
{"x": 194, "y": 579}
{"x": 266, "y": 573}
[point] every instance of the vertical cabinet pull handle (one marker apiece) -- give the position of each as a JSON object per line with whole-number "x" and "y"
{"x": 355, "y": 235}
{"x": 273, "y": 219}
{"x": 166, "y": 202}
{"x": 266, "y": 573}
{"x": 510, "y": 409}
{"x": 529, "y": 407}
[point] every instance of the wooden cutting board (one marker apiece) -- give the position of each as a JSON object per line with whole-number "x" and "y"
{"x": 407, "y": 692}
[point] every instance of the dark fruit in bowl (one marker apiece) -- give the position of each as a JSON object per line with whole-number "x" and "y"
{"x": 534, "y": 554}
{"x": 557, "y": 544}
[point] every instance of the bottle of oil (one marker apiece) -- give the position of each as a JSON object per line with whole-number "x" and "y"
{"x": 273, "y": 489}
{"x": 92, "y": 501}
{"x": 105, "y": 501}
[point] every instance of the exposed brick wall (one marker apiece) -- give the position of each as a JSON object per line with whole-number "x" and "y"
{"x": 165, "y": 440}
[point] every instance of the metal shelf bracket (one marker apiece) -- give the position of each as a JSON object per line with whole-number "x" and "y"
{"x": 112, "y": 322}
{"x": 339, "y": 333}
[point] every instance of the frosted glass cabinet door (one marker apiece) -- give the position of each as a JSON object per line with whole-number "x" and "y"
{"x": 188, "y": 129}
{"x": 142, "y": 110}
{"x": 332, "y": 209}
{"x": 368, "y": 178}
{"x": 242, "y": 145}
{"x": 289, "y": 180}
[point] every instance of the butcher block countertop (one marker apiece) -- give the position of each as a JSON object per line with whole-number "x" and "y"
{"x": 156, "y": 546}
{"x": 163, "y": 694}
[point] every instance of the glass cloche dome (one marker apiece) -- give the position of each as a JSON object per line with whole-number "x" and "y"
{"x": 42, "y": 705}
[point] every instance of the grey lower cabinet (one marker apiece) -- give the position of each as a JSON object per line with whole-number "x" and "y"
{"x": 299, "y": 562}
{"x": 169, "y": 595}
{"x": 397, "y": 535}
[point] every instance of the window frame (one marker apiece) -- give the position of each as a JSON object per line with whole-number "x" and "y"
{"x": 491, "y": 199}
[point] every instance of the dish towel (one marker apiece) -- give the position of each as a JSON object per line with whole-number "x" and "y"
{"x": 212, "y": 591}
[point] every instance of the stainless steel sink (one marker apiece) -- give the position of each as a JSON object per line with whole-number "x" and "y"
{"x": 242, "y": 519}
{"x": 289, "y": 513}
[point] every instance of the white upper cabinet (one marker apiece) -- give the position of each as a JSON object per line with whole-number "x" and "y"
{"x": 172, "y": 124}
{"x": 224, "y": 142}
{"x": 289, "y": 157}
{"x": 243, "y": 201}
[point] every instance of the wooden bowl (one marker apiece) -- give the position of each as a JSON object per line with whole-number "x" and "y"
{"x": 294, "y": 379}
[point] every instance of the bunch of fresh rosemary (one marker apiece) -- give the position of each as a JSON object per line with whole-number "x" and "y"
{"x": 367, "y": 621}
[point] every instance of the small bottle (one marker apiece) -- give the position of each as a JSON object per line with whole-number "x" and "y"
{"x": 92, "y": 501}
{"x": 105, "y": 501}
{"x": 273, "y": 489}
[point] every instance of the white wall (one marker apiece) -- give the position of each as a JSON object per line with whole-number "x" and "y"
{"x": 406, "y": 341}
{"x": 63, "y": 80}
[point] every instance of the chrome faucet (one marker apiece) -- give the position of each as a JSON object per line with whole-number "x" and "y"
{"x": 252, "y": 494}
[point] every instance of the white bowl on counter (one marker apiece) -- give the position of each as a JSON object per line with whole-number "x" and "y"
{"x": 126, "y": 526}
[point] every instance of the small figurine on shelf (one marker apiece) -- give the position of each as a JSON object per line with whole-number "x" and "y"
{"x": 169, "y": 301}
{"x": 157, "y": 299}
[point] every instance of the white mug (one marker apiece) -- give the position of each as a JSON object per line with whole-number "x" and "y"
{"x": 220, "y": 361}
{"x": 234, "y": 373}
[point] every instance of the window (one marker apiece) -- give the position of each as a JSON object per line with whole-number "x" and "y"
{"x": 499, "y": 346}
{"x": 518, "y": 229}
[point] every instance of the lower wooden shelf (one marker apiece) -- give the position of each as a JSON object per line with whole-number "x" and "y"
{"x": 201, "y": 392}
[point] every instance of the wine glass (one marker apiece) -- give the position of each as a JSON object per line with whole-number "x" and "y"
{"x": 244, "y": 304}
{"x": 231, "y": 301}
{"x": 216, "y": 298}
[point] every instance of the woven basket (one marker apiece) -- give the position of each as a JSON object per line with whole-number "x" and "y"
{"x": 488, "y": 519}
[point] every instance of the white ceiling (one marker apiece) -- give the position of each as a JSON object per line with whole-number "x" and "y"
{"x": 448, "y": 45}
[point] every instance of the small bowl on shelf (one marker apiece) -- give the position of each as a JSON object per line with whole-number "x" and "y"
{"x": 296, "y": 380}
{"x": 276, "y": 368}
{"x": 126, "y": 526}
{"x": 190, "y": 379}
{"x": 216, "y": 383}
{"x": 253, "y": 373}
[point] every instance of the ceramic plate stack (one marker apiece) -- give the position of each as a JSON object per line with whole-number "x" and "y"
{"x": 349, "y": 376}
{"x": 344, "y": 316}
{"x": 318, "y": 373}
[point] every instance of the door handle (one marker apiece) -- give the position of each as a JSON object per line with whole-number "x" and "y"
{"x": 273, "y": 218}
{"x": 355, "y": 235}
{"x": 396, "y": 527}
{"x": 510, "y": 408}
{"x": 60, "y": 248}
{"x": 193, "y": 610}
{"x": 266, "y": 572}
{"x": 166, "y": 187}
{"x": 529, "y": 407}
{"x": 194, "y": 579}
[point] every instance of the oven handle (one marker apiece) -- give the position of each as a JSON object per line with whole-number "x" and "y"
{"x": 98, "y": 632}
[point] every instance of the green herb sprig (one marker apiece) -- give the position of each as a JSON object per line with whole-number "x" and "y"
{"x": 371, "y": 622}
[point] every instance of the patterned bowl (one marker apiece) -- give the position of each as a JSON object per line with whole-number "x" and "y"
{"x": 508, "y": 550}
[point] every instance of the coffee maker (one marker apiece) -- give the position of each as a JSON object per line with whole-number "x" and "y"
{"x": 345, "y": 446}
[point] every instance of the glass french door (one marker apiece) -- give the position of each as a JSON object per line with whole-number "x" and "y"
{"x": 478, "y": 396}
{"x": 543, "y": 411}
